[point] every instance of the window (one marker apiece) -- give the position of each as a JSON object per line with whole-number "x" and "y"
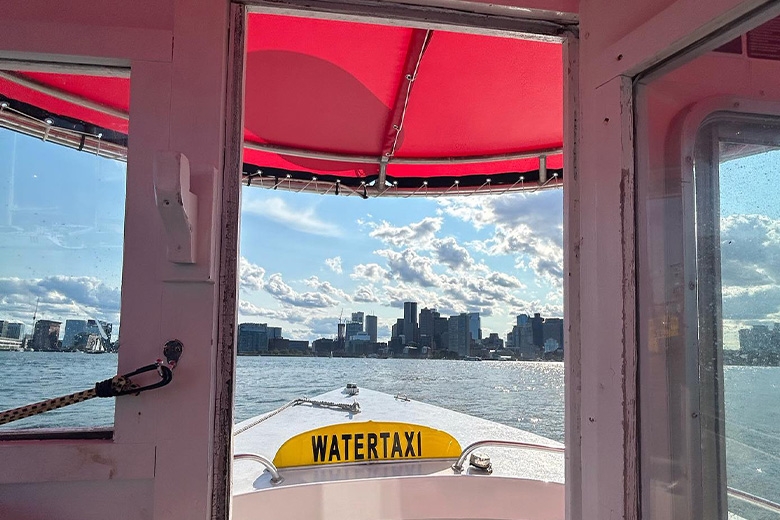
{"x": 62, "y": 199}
{"x": 707, "y": 160}
{"x": 737, "y": 159}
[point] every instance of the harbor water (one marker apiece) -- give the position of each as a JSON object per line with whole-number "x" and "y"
{"x": 525, "y": 395}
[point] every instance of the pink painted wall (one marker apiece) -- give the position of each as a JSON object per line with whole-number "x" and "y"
{"x": 159, "y": 463}
{"x": 177, "y": 104}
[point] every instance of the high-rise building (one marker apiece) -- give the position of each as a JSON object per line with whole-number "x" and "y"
{"x": 475, "y": 326}
{"x": 357, "y": 317}
{"x": 46, "y": 335}
{"x": 341, "y": 336}
{"x": 11, "y": 330}
{"x": 524, "y": 344}
{"x": 353, "y": 328}
{"x": 440, "y": 328}
{"x": 538, "y": 329}
{"x": 553, "y": 329}
{"x": 398, "y": 328}
{"x": 458, "y": 334}
{"x": 371, "y": 327}
{"x": 72, "y": 327}
{"x": 253, "y": 337}
{"x": 410, "y": 322}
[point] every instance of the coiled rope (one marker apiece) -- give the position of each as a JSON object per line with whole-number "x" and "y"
{"x": 116, "y": 386}
{"x": 352, "y": 407}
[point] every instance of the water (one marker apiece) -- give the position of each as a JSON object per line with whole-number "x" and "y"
{"x": 525, "y": 395}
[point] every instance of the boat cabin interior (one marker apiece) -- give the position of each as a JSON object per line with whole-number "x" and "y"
{"x": 658, "y": 120}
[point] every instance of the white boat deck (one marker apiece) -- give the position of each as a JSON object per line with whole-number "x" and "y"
{"x": 268, "y": 436}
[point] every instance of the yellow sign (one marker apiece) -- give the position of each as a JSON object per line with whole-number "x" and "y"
{"x": 366, "y": 442}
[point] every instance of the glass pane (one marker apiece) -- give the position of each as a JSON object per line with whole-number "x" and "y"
{"x": 750, "y": 279}
{"x": 61, "y": 236}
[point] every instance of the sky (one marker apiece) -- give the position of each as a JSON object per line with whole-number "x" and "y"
{"x": 308, "y": 258}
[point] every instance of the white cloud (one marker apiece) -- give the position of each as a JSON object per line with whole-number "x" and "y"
{"x": 327, "y": 288}
{"x": 450, "y": 253}
{"x": 527, "y": 226}
{"x": 418, "y": 235}
{"x": 250, "y": 276}
{"x": 750, "y": 269}
{"x": 300, "y": 219}
{"x": 286, "y": 294}
{"x": 59, "y": 297}
{"x": 334, "y": 264}
{"x": 408, "y": 266}
{"x": 365, "y": 294}
{"x": 371, "y": 272}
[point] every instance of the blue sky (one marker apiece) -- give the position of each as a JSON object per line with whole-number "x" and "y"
{"x": 305, "y": 257}
{"x": 309, "y": 256}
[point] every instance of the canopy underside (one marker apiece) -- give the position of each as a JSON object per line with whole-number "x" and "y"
{"x": 349, "y": 108}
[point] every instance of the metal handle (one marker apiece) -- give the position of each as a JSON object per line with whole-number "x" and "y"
{"x": 276, "y": 478}
{"x": 458, "y": 466}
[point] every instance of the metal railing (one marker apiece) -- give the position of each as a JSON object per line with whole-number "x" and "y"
{"x": 276, "y": 478}
{"x": 458, "y": 466}
{"x": 754, "y": 500}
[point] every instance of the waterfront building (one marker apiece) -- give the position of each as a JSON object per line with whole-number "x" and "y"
{"x": 440, "y": 328}
{"x": 353, "y": 328}
{"x": 278, "y": 344}
{"x": 358, "y": 317}
{"x": 324, "y": 346}
{"x": 524, "y": 344}
{"x": 11, "y": 330}
{"x": 355, "y": 338}
{"x": 427, "y": 327}
{"x": 493, "y": 342}
{"x": 46, "y": 335}
{"x": 10, "y": 343}
{"x": 341, "y": 336}
{"x": 398, "y": 329}
{"x": 459, "y": 335}
{"x": 537, "y": 328}
{"x": 72, "y": 328}
{"x": 410, "y": 322}
{"x": 475, "y": 326}
{"x": 253, "y": 338}
{"x": 371, "y": 327}
{"x": 552, "y": 328}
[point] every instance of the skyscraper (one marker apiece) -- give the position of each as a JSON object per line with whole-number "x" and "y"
{"x": 475, "y": 326}
{"x": 553, "y": 329}
{"x": 371, "y": 327}
{"x": 459, "y": 336}
{"x": 72, "y": 327}
{"x": 410, "y": 322}
{"x": 357, "y": 317}
{"x": 46, "y": 335}
{"x": 538, "y": 329}
{"x": 524, "y": 339}
{"x": 427, "y": 326}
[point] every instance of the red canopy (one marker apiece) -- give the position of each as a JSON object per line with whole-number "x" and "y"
{"x": 334, "y": 99}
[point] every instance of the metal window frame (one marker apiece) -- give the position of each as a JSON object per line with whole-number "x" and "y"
{"x": 719, "y": 127}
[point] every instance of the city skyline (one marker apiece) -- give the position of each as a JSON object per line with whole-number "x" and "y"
{"x": 305, "y": 257}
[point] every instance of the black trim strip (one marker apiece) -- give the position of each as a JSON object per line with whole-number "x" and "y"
{"x": 253, "y": 172}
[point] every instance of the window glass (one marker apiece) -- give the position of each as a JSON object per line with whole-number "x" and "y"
{"x": 750, "y": 277}
{"x": 61, "y": 236}
{"x": 708, "y": 154}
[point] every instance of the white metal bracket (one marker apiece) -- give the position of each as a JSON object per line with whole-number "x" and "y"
{"x": 177, "y": 205}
